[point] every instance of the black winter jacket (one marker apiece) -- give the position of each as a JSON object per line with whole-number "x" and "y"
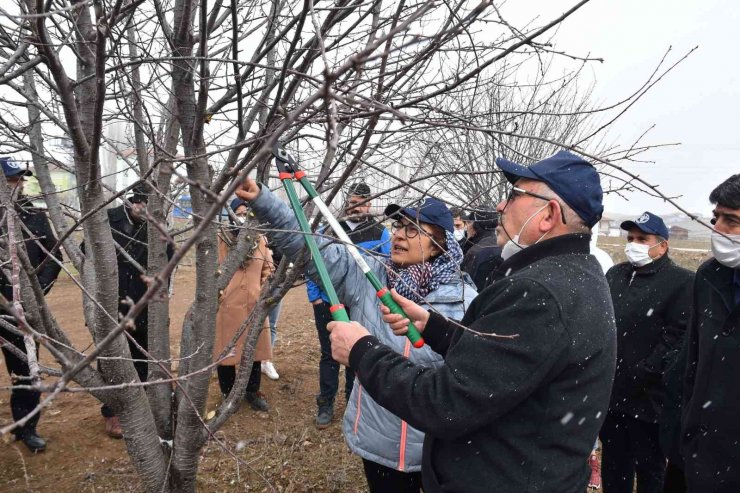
{"x": 711, "y": 409}
{"x": 132, "y": 237}
{"x": 38, "y": 224}
{"x": 510, "y": 414}
{"x": 651, "y": 306}
{"x": 482, "y": 258}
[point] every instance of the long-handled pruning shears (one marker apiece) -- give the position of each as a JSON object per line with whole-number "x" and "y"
{"x": 288, "y": 171}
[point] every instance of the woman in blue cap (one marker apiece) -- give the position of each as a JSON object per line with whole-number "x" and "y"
{"x": 236, "y": 303}
{"x": 425, "y": 266}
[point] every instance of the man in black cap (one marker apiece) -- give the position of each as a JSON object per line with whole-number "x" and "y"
{"x": 129, "y": 227}
{"x": 525, "y": 383}
{"x": 651, "y": 305}
{"x": 368, "y": 235}
{"x": 22, "y": 402}
{"x": 484, "y": 254}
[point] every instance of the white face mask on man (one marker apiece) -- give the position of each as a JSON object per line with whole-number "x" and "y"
{"x": 639, "y": 254}
{"x": 459, "y": 234}
{"x": 726, "y": 249}
{"x": 513, "y": 246}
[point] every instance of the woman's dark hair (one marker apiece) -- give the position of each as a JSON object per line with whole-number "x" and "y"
{"x": 439, "y": 237}
{"x": 727, "y": 194}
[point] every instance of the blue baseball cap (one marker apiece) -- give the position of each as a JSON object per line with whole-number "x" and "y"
{"x": 574, "y": 179}
{"x": 235, "y": 203}
{"x": 431, "y": 211}
{"x": 12, "y": 168}
{"x": 647, "y": 223}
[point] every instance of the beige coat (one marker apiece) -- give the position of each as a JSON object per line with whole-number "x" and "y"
{"x": 237, "y": 302}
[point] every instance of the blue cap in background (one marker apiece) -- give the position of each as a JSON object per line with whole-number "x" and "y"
{"x": 574, "y": 179}
{"x": 12, "y": 168}
{"x": 647, "y": 223}
{"x": 431, "y": 211}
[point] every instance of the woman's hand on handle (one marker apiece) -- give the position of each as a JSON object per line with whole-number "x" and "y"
{"x": 416, "y": 314}
{"x": 248, "y": 191}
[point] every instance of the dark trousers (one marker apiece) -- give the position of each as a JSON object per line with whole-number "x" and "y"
{"x": 328, "y": 368}
{"x": 629, "y": 448}
{"x": 227, "y": 377}
{"x": 22, "y": 402}
{"x": 141, "y": 336}
{"x": 675, "y": 480}
{"x": 382, "y": 479}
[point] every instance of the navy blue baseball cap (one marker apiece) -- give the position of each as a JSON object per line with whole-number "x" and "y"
{"x": 235, "y": 203}
{"x": 12, "y": 168}
{"x": 431, "y": 211}
{"x": 574, "y": 179}
{"x": 647, "y": 223}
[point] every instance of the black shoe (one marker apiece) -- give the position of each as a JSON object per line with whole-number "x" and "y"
{"x": 34, "y": 442}
{"x": 326, "y": 412}
{"x": 257, "y": 401}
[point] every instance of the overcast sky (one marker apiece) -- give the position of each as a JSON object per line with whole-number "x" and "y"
{"x": 698, "y": 104}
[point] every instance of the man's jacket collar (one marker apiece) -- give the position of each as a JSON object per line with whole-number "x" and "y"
{"x": 575, "y": 243}
{"x": 653, "y": 266}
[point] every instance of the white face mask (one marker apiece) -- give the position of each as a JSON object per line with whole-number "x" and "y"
{"x": 726, "y": 250}
{"x": 638, "y": 254}
{"x": 240, "y": 219}
{"x": 513, "y": 246}
{"x": 459, "y": 234}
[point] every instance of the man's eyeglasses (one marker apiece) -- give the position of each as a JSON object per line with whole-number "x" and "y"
{"x": 516, "y": 192}
{"x": 412, "y": 230}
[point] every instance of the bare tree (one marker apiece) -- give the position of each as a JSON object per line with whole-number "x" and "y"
{"x": 205, "y": 90}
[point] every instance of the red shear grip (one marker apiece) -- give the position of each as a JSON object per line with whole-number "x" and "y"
{"x": 334, "y": 308}
{"x": 285, "y": 176}
{"x": 382, "y": 292}
{"x": 299, "y": 174}
{"x": 419, "y": 343}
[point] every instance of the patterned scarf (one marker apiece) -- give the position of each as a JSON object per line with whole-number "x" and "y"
{"x": 417, "y": 281}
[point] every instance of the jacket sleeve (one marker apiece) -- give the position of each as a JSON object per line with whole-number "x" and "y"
{"x": 483, "y": 376}
{"x": 673, "y": 331}
{"x": 285, "y": 234}
{"x": 385, "y": 242}
{"x": 438, "y": 333}
{"x": 313, "y": 290}
{"x": 51, "y": 269}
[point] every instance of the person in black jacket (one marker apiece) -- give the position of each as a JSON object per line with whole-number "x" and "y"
{"x": 651, "y": 296}
{"x": 22, "y": 402}
{"x": 711, "y": 401}
{"x": 484, "y": 256}
{"x": 129, "y": 227}
{"x": 525, "y": 383}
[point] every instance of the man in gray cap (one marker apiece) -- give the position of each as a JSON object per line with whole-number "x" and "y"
{"x": 525, "y": 383}
{"x": 39, "y": 239}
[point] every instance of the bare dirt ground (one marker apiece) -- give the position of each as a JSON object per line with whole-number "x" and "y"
{"x": 282, "y": 448}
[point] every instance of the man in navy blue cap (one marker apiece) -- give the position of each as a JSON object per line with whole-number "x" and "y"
{"x": 651, "y": 306}
{"x": 39, "y": 239}
{"x": 525, "y": 383}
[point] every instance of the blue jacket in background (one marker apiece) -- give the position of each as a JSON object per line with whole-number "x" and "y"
{"x": 369, "y": 235}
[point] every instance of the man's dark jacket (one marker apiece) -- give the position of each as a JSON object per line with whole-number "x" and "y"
{"x": 711, "y": 410}
{"x": 38, "y": 224}
{"x": 482, "y": 258}
{"x": 510, "y": 414}
{"x": 131, "y": 235}
{"x": 651, "y": 307}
